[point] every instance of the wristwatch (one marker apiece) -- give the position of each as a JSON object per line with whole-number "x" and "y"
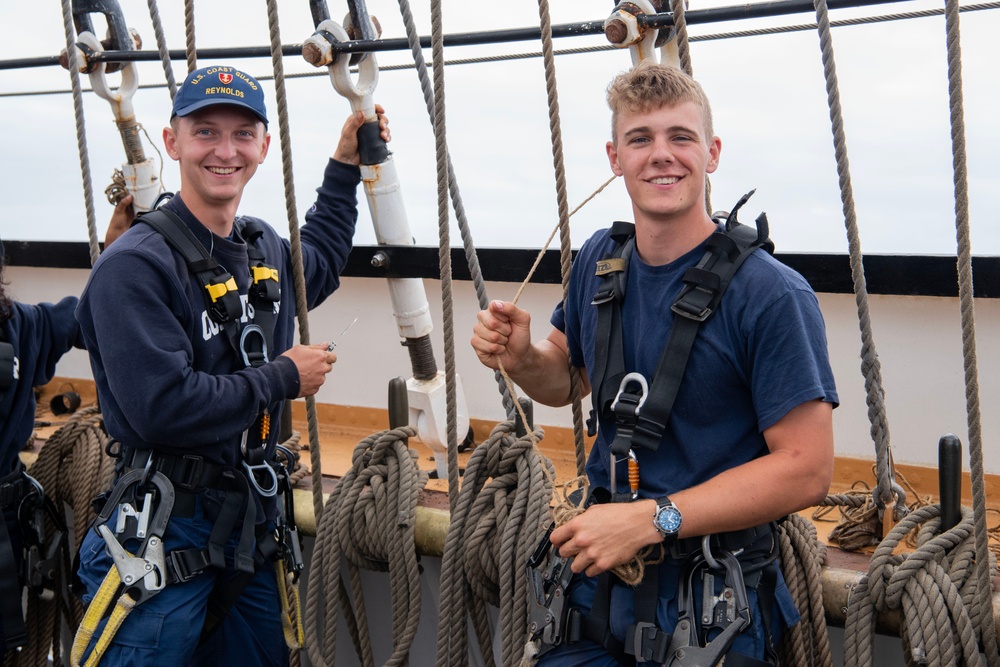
{"x": 667, "y": 520}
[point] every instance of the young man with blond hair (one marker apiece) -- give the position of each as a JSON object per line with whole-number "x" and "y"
{"x": 749, "y": 437}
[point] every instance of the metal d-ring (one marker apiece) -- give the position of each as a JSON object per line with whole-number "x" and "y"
{"x": 251, "y": 475}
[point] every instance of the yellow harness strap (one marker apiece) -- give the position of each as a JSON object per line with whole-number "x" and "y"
{"x": 291, "y": 609}
{"x": 95, "y": 612}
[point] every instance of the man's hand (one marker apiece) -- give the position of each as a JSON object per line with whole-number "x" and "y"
{"x": 313, "y": 362}
{"x": 121, "y": 220}
{"x": 606, "y": 536}
{"x": 347, "y": 148}
{"x": 502, "y": 334}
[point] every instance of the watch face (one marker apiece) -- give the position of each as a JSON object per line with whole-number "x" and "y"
{"x": 668, "y": 520}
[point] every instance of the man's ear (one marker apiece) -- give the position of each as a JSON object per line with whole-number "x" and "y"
{"x": 613, "y": 158}
{"x": 170, "y": 142}
{"x": 714, "y": 151}
{"x": 263, "y": 149}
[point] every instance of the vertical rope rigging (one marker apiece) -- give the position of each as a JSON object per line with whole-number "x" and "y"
{"x": 81, "y": 130}
{"x": 982, "y": 613}
{"x": 565, "y": 249}
{"x": 871, "y": 368}
{"x": 192, "y": 52}
{"x": 161, "y": 46}
{"x": 413, "y": 38}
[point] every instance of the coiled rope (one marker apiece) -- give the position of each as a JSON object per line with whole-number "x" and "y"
{"x": 934, "y": 587}
{"x": 369, "y": 520}
{"x": 500, "y": 517}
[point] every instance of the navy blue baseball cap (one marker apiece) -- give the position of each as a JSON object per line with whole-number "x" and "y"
{"x": 219, "y": 84}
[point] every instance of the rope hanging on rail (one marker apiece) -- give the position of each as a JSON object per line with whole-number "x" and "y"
{"x": 192, "y": 52}
{"x": 161, "y": 46}
{"x": 369, "y": 520}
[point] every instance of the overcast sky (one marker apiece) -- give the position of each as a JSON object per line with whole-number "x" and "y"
{"x": 768, "y": 95}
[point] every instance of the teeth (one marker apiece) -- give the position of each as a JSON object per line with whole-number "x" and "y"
{"x": 664, "y": 181}
{"x": 222, "y": 171}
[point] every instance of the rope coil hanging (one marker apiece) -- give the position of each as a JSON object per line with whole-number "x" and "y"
{"x": 369, "y": 520}
{"x": 500, "y": 516}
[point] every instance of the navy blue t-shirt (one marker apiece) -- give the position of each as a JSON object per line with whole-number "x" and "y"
{"x": 761, "y": 354}
{"x": 40, "y": 335}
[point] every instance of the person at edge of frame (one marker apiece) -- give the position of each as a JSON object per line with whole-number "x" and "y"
{"x": 171, "y": 385}
{"x": 33, "y": 338}
{"x": 750, "y": 436}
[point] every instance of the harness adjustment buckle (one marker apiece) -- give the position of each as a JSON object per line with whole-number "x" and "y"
{"x": 649, "y": 643}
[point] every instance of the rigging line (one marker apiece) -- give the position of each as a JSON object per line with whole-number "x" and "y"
{"x": 190, "y": 53}
{"x": 757, "y": 32}
{"x": 961, "y": 185}
{"x": 81, "y": 131}
{"x": 704, "y": 16}
{"x": 472, "y": 259}
{"x": 871, "y": 367}
{"x": 161, "y": 45}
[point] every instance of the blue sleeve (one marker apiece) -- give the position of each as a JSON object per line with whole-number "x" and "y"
{"x": 138, "y": 326}
{"x": 57, "y": 331}
{"x": 328, "y": 235}
{"x": 789, "y": 358}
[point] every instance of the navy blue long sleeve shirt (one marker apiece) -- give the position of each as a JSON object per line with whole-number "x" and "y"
{"x": 166, "y": 375}
{"x": 40, "y": 335}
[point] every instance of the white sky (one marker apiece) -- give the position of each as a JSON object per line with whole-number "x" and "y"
{"x": 768, "y": 94}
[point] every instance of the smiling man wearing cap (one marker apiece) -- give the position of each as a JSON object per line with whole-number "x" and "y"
{"x": 190, "y": 323}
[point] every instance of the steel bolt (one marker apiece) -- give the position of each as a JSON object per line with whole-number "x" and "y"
{"x": 380, "y": 260}
{"x": 616, "y": 31}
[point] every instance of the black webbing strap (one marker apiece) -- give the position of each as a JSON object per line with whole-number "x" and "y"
{"x": 264, "y": 290}
{"x": 614, "y": 269}
{"x": 226, "y": 308}
{"x": 698, "y": 300}
{"x": 228, "y": 590}
{"x": 11, "y": 614}
{"x": 644, "y": 639}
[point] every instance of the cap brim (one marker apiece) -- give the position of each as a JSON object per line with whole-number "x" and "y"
{"x": 201, "y": 104}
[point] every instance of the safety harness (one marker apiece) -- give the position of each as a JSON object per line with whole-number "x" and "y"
{"x": 153, "y": 486}
{"x": 641, "y": 411}
{"x": 37, "y": 569}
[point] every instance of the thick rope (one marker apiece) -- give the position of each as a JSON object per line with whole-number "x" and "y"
{"x": 802, "y": 557}
{"x": 413, "y": 38}
{"x": 565, "y": 249}
{"x": 982, "y": 612}
{"x": 933, "y": 587}
{"x": 680, "y": 25}
{"x": 500, "y": 517}
{"x": 871, "y": 368}
{"x": 192, "y": 52}
{"x": 161, "y": 45}
{"x": 369, "y": 520}
{"x": 81, "y": 130}
{"x": 72, "y": 469}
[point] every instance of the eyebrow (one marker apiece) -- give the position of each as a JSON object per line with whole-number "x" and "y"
{"x": 645, "y": 129}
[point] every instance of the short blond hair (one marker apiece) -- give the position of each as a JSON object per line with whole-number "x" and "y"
{"x": 651, "y": 85}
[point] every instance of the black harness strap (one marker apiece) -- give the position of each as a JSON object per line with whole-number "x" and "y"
{"x": 698, "y": 300}
{"x": 11, "y": 614}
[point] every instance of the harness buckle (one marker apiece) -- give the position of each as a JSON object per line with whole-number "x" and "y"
{"x": 649, "y": 643}
{"x": 549, "y": 614}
